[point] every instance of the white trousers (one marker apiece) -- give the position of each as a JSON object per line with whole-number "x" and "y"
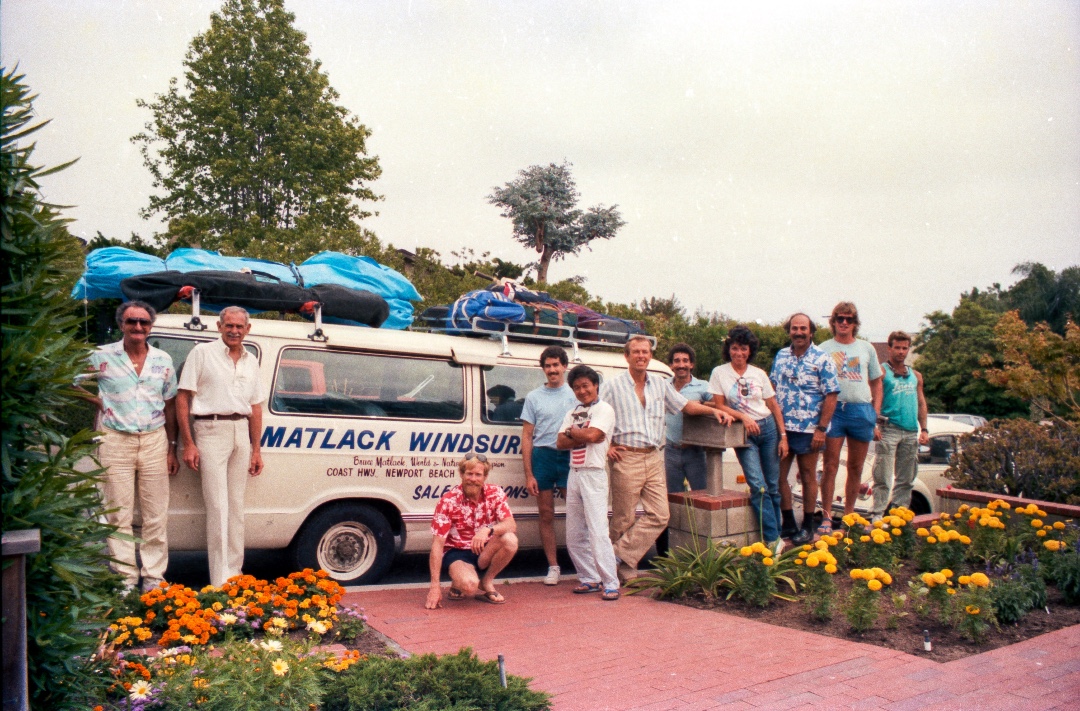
{"x": 224, "y": 458}
{"x": 141, "y": 458}
{"x": 587, "y": 538}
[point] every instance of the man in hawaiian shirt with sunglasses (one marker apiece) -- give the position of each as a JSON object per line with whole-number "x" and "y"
{"x": 473, "y": 536}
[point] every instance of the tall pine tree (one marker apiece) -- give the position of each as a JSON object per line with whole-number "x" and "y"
{"x": 254, "y": 156}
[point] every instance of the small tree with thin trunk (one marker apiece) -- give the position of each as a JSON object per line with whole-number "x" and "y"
{"x": 542, "y": 203}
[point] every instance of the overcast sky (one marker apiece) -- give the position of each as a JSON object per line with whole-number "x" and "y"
{"x": 767, "y": 157}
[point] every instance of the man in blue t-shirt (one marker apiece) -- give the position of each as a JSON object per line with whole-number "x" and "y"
{"x": 545, "y": 466}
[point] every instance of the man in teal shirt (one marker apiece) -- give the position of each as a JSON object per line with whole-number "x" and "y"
{"x": 903, "y": 407}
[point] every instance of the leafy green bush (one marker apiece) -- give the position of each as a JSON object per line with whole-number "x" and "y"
{"x": 1021, "y": 458}
{"x": 454, "y": 682}
{"x": 1017, "y": 594}
{"x": 69, "y": 587}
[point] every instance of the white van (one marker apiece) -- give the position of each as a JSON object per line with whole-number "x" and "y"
{"x": 362, "y": 433}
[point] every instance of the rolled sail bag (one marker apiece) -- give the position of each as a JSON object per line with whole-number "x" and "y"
{"x": 255, "y": 293}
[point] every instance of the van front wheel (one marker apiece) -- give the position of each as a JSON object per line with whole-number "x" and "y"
{"x": 352, "y": 542}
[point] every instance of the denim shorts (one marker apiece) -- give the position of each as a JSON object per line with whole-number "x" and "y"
{"x": 855, "y": 420}
{"x": 551, "y": 467}
{"x": 799, "y": 442}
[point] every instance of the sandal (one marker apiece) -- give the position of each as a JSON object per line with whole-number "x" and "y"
{"x": 455, "y": 594}
{"x": 491, "y": 596}
{"x": 587, "y": 588}
{"x": 825, "y": 528}
{"x": 610, "y": 595}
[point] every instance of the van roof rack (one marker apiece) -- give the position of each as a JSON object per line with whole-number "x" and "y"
{"x": 573, "y": 336}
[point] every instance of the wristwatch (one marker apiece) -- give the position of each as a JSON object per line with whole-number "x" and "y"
{"x": 822, "y": 428}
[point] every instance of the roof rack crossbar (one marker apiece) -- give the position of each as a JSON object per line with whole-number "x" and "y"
{"x": 504, "y": 333}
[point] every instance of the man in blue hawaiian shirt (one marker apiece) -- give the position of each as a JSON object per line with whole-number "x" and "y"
{"x": 806, "y": 389}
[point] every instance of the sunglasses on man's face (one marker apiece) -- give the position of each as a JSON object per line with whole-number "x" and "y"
{"x": 144, "y": 322}
{"x": 845, "y": 319}
{"x": 479, "y": 457}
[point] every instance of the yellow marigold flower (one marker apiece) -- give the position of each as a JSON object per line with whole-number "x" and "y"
{"x": 798, "y": 561}
{"x": 766, "y": 561}
{"x": 931, "y": 539}
{"x": 848, "y": 519}
{"x": 877, "y": 572}
{"x": 746, "y": 551}
{"x": 1042, "y": 513}
{"x": 945, "y": 517}
{"x": 848, "y": 541}
{"x": 963, "y": 508}
{"x": 886, "y": 578}
{"x": 808, "y": 547}
{"x": 922, "y": 532}
{"x": 864, "y": 539}
{"x": 1040, "y": 533}
{"x": 874, "y": 585}
{"x": 928, "y": 579}
{"x": 830, "y": 569}
{"x": 1059, "y": 525}
{"x": 965, "y": 540}
{"x": 946, "y": 572}
{"x": 896, "y": 531}
{"x": 1036, "y": 523}
{"x": 856, "y": 574}
{"x": 951, "y": 591}
{"x": 803, "y": 554}
{"x": 971, "y": 610}
{"x": 980, "y": 580}
{"x": 280, "y": 667}
{"x": 812, "y": 561}
{"x": 821, "y": 545}
{"x": 964, "y": 579}
{"x": 1052, "y": 545}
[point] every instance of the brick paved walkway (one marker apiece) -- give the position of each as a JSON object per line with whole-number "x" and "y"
{"x": 641, "y": 654}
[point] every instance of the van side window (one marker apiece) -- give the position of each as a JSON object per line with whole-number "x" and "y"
{"x": 346, "y": 384}
{"x": 504, "y": 391}
{"x": 178, "y": 348}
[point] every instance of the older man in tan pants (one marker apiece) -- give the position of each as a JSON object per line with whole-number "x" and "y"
{"x": 222, "y": 392}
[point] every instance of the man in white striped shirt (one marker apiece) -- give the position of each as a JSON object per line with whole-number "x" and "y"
{"x": 640, "y": 401}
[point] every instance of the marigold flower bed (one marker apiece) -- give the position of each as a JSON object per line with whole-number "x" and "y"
{"x": 978, "y": 580}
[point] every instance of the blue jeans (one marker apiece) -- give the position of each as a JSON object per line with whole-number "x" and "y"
{"x": 687, "y": 462}
{"x": 760, "y": 463}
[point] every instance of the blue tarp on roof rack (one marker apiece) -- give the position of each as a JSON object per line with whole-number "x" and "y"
{"x": 108, "y": 266}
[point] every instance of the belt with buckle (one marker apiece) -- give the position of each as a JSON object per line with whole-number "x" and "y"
{"x": 234, "y": 416}
{"x": 639, "y": 450}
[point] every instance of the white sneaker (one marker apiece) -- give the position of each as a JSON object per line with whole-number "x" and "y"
{"x": 777, "y": 546}
{"x": 552, "y": 577}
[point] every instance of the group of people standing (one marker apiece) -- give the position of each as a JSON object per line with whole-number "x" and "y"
{"x": 214, "y": 410}
{"x": 627, "y": 434}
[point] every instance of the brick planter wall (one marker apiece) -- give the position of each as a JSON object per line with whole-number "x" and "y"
{"x": 953, "y": 499}
{"x": 726, "y": 516}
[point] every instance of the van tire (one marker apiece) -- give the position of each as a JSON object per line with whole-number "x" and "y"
{"x": 352, "y": 542}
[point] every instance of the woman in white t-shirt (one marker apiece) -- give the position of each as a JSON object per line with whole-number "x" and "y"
{"x": 744, "y": 391}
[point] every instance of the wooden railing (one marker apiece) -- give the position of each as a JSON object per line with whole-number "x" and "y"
{"x": 16, "y": 546}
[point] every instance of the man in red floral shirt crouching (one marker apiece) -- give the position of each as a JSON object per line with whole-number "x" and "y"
{"x": 474, "y": 536}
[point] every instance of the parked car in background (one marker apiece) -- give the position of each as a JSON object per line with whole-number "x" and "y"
{"x": 973, "y": 420}
{"x": 933, "y": 461}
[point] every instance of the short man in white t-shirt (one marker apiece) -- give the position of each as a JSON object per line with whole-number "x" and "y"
{"x": 221, "y": 391}
{"x": 857, "y": 408}
{"x": 586, "y": 432}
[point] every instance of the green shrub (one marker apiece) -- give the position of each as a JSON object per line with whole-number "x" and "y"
{"x": 1017, "y": 594}
{"x": 454, "y": 682}
{"x": 69, "y": 587}
{"x": 1021, "y": 458}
